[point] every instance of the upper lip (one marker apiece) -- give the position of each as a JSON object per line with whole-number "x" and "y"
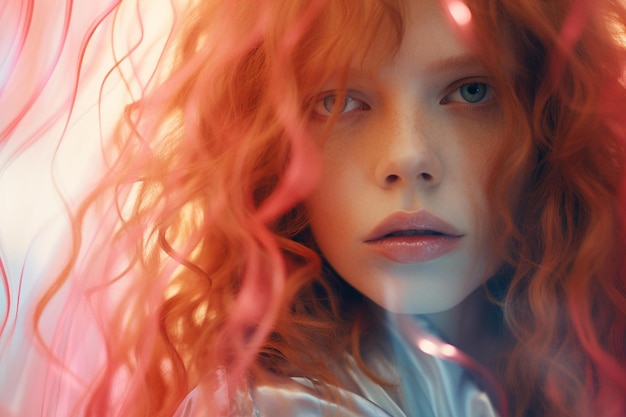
{"x": 402, "y": 221}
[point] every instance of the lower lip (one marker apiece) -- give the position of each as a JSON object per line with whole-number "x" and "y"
{"x": 414, "y": 249}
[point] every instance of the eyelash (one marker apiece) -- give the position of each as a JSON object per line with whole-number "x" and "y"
{"x": 320, "y": 104}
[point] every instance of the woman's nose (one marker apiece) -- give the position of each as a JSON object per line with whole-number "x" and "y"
{"x": 406, "y": 156}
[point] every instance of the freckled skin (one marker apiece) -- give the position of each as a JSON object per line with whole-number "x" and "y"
{"x": 410, "y": 140}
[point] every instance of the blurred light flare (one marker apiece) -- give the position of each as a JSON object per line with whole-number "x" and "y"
{"x": 460, "y": 13}
{"x": 427, "y": 346}
{"x": 448, "y": 350}
{"x": 436, "y": 348}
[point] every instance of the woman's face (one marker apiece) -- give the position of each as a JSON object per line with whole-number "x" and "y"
{"x": 400, "y": 211}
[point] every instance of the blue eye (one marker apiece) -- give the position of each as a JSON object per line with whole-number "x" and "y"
{"x": 474, "y": 93}
{"x": 469, "y": 93}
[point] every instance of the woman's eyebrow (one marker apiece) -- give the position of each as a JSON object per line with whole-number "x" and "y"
{"x": 453, "y": 64}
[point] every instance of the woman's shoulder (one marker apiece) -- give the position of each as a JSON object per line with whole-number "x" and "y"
{"x": 408, "y": 382}
{"x": 301, "y": 397}
{"x": 286, "y": 397}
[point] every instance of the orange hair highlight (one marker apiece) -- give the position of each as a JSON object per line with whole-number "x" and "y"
{"x": 208, "y": 167}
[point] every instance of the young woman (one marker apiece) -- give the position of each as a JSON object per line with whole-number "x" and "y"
{"x": 357, "y": 208}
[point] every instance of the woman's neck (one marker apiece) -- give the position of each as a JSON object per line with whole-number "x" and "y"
{"x": 475, "y": 326}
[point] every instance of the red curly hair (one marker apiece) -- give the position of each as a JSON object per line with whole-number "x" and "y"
{"x": 204, "y": 265}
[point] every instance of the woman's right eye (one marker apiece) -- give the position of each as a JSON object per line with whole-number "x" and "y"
{"x": 337, "y": 103}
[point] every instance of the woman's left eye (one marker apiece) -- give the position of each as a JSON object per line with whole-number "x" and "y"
{"x": 470, "y": 93}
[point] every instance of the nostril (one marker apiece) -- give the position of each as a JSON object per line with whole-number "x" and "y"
{"x": 392, "y": 178}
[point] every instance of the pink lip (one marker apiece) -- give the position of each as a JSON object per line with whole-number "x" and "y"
{"x": 434, "y": 237}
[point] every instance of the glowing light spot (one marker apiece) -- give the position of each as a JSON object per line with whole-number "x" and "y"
{"x": 448, "y": 350}
{"x": 460, "y": 12}
{"x": 427, "y": 346}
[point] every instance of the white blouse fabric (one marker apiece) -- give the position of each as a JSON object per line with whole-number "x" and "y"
{"x": 421, "y": 385}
